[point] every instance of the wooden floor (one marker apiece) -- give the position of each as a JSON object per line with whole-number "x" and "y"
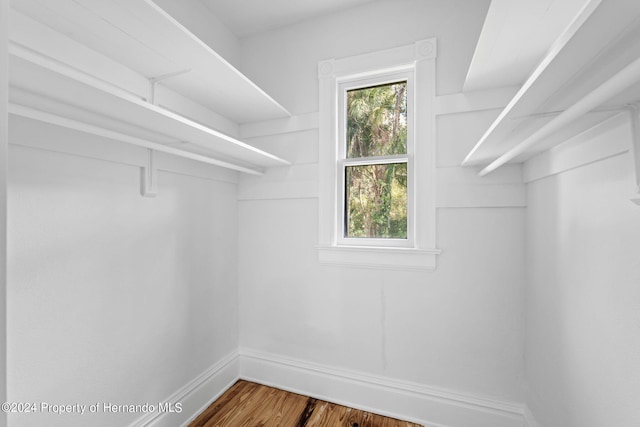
{"x": 248, "y": 404}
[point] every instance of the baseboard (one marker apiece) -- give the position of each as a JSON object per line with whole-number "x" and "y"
{"x": 429, "y": 406}
{"x": 195, "y": 396}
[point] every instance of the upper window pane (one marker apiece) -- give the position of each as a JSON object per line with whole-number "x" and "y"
{"x": 377, "y": 120}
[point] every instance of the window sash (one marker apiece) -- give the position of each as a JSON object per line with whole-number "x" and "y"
{"x": 343, "y": 162}
{"x": 373, "y": 160}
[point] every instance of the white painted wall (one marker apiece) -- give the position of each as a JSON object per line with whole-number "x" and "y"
{"x": 122, "y": 299}
{"x": 113, "y": 297}
{"x": 199, "y": 19}
{"x": 583, "y": 299}
{"x": 284, "y": 62}
{"x": 459, "y": 328}
{"x": 4, "y": 144}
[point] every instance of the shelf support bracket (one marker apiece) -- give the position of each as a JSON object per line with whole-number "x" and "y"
{"x": 153, "y": 81}
{"x": 634, "y": 112}
{"x": 149, "y": 176}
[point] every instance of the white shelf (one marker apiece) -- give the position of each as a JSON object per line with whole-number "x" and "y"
{"x": 591, "y": 74}
{"x": 58, "y": 54}
{"x": 44, "y": 85}
{"x": 143, "y": 37}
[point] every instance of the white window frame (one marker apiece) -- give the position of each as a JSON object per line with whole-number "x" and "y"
{"x": 418, "y": 251}
{"x": 345, "y": 85}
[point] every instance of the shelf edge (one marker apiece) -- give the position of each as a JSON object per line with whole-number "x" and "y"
{"x": 31, "y": 113}
{"x": 555, "y": 50}
{"x": 53, "y": 65}
{"x": 616, "y": 84}
{"x": 211, "y": 51}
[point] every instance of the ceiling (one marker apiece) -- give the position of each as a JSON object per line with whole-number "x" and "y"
{"x": 248, "y": 17}
{"x": 515, "y": 37}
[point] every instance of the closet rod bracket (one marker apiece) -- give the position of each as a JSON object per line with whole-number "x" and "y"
{"x": 149, "y": 176}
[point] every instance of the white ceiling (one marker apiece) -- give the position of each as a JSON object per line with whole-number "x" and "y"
{"x": 515, "y": 37}
{"x": 247, "y": 17}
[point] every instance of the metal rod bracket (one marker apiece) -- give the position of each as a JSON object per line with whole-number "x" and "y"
{"x": 149, "y": 176}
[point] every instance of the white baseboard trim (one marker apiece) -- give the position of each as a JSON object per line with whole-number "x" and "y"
{"x": 195, "y": 396}
{"x": 429, "y": 406}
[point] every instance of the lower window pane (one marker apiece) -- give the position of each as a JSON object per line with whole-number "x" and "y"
{"x": 376, "y": 201}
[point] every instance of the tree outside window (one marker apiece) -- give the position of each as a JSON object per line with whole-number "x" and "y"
{"x": 375, "y": 166}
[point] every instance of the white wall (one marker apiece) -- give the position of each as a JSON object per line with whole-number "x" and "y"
{"x": 4, "y": 144}
{"x": 583, "y": 299}
{"x": 113, "y": 297}
{"x": 284, "y": 62}
{"x": 459, "y": 328}
{"x": 199, "y": 19}
{"x": 123, "y": 299}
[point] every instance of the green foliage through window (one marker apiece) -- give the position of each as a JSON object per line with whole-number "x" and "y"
{"x": 377, "y": 120}
{"x": 376, "y": 193}
{"x": 377, "y": 200}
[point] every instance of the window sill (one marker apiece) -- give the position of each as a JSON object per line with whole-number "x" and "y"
{"x": 379, "y": 257}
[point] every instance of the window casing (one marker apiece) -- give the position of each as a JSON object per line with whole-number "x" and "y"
{"x": 412, "y": 63}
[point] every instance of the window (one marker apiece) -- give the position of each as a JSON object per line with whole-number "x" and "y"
{"x": 375, "y": 143}
{"x": 376, "y": 159}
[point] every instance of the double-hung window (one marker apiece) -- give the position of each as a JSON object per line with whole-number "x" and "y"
{"x": 376, "y": 159}
{"x": 375, "y": 148}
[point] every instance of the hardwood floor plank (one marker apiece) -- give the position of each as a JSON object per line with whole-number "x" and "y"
{"x": 236, "y": 407}
{"x": 218, "y": 406}
{"x": 306, "y": 413}
{"x": 289, "y": 407}
{"x": 247, "y": 404}
{"x": 241, "y": 411}
{"x": 325, "y": 415}
{"x": 279, "y": 409}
